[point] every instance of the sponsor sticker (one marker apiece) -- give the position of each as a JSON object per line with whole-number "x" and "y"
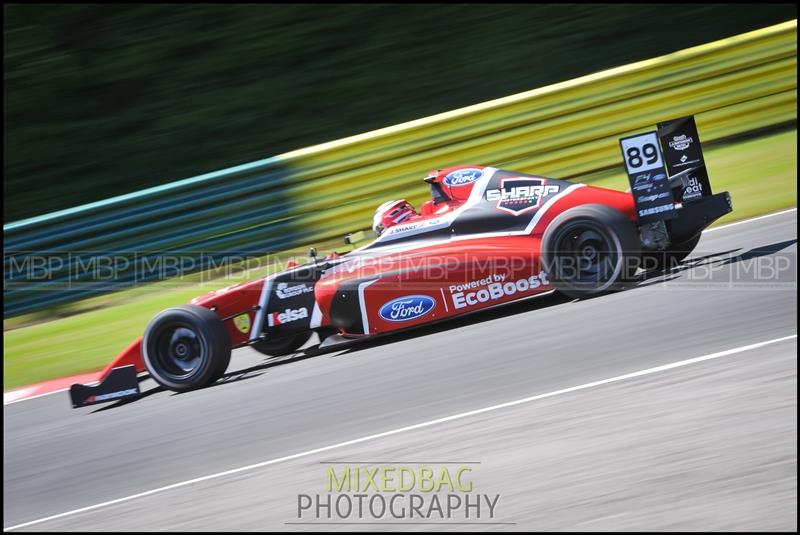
{"x": 519, "y": 195}
{"x": 656, "y": 210}
{"x": 112, "y": 395}
{"x": 693, "y": 189}
{"x": 682, "y": 150}
{"x": 407, "y": 308}
{"x": 685, "y": 162}
{"x": 655, "y": 197}
{"x": 681, "y": 142}
{"x": 493, "y": 288}
{"x": 462, "y": 177}
{"x": 409, "y": 227}
{"x": 287, "y": 316}
{"x": 405, "y": 228}
{"x": 242, "y": 323}
{"x": 284, "y": 291}
{"x": 647, "y": 181}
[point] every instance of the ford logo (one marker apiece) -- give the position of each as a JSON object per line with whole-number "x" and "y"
{"x": 463, "y": 177}
{"x": 407, "y": 308}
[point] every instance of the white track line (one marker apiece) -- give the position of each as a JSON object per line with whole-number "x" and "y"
{"x": 749, "y": 220}
{"x": 429, "y": 423}
{"x": 704, "y": 232}
{"x": 7, "y": 400}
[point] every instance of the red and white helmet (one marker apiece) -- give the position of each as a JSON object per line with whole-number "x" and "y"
{"x": 390, "y": 214}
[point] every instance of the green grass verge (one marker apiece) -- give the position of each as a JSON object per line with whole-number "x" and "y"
{"x": 760, "y": 173}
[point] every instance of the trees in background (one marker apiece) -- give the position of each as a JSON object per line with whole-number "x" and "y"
{"x": 101, "y": 100}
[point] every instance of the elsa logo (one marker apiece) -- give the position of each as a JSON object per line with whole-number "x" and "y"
{"x": 287, "y": 316}
{"x": 462, "y": 177}
{"x": 407, "y": 308}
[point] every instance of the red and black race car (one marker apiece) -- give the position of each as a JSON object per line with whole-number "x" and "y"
{"x": 488, "y": 236}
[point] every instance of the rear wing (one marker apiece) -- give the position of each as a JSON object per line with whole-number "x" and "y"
{"x": 683, "y": 156}
{"x": 666, "y": 169}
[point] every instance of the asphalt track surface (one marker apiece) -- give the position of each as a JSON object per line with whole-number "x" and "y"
{"x": 738, "y": 288}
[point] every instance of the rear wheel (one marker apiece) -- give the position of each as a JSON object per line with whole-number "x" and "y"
{"x": 186, "y": 347}
{"x": 589, "y": 250}
{"x": 281, "y": 346}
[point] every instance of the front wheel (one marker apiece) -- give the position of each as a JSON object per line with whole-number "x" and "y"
{"x": 186, "y": 347}
{"x": 589, "y": 250}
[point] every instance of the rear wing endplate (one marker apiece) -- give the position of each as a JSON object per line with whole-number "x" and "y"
{"x": 683, "y": 156}
{"x": 665, "y": 168}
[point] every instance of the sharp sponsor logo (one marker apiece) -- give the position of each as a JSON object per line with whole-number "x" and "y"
{"x": 287, "y": 316}
{"x": 284, "y": 291}
{"x": 462, "y": 177}
{"x": 680, "y": 142}
{"x": 408, "y": 227}
{"x": 405, "y": 228}
{"x": 493, "y": 288}
{"x": 519, "y": 195}
{"x": 407, "y": 308}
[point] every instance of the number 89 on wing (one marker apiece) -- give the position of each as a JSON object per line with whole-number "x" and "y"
{"x": 641, "y": 152}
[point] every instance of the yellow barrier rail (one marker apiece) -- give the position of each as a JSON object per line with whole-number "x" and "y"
{"x": 735, "y": 85}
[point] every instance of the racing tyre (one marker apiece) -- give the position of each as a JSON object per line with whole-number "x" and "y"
{"x": 281, "y": 346}
{"x": 186, "y": 347}
{"x": 671, "y": 257}
{"x": 589, "y": 250}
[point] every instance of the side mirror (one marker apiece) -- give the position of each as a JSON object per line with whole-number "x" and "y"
{"x": 312, "y": 254}
{"x": 354, "y": 237}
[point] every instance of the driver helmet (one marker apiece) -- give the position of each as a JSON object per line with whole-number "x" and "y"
{"x": 390, "y": 214}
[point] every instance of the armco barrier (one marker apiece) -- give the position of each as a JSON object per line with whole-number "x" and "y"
{"x": 564, "y": 130}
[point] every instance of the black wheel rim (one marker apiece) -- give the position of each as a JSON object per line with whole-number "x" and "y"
{"x": 179, "y": 351}
{"x": 585, "y": 255}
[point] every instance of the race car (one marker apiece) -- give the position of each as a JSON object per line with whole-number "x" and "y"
{"x": 486, "y": 237}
